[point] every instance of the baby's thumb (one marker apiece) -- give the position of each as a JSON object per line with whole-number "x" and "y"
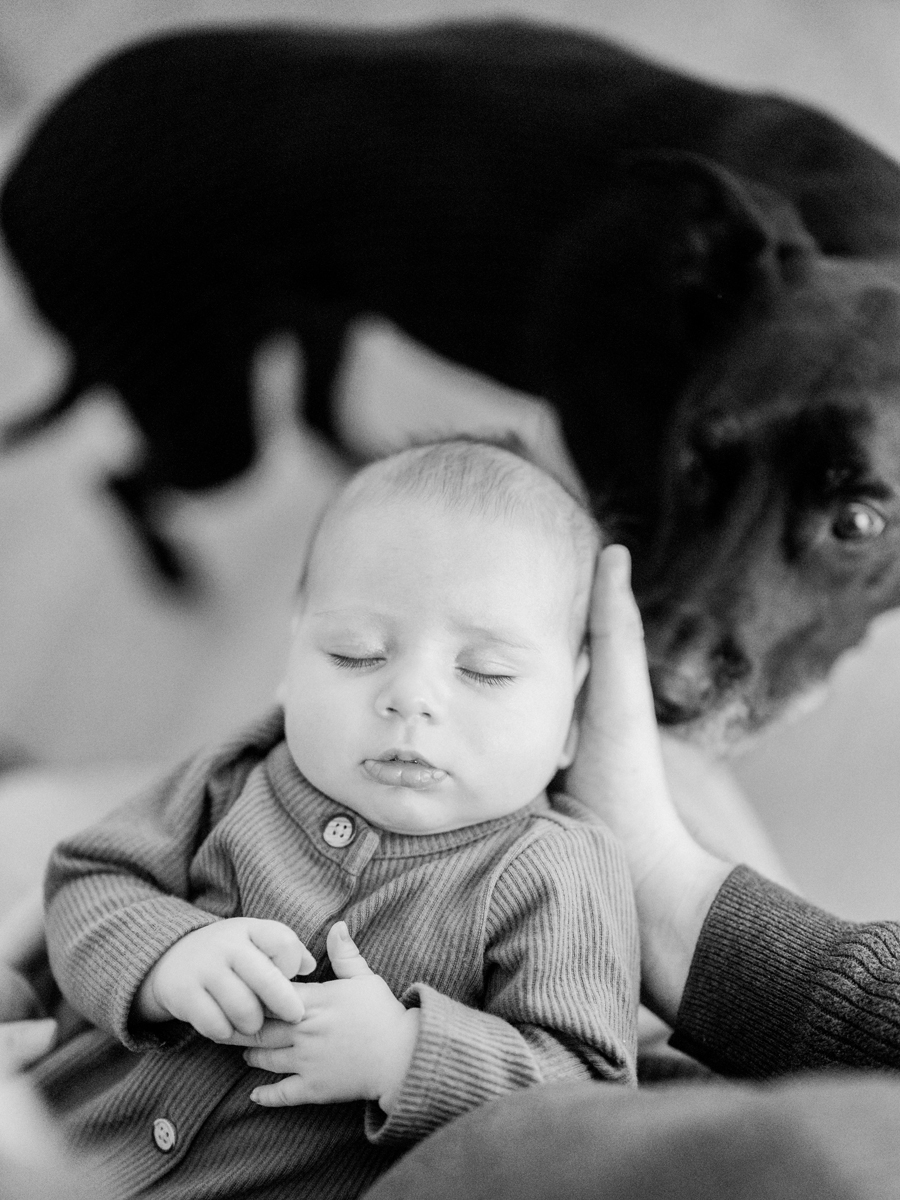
{"x": 346, "y": 959}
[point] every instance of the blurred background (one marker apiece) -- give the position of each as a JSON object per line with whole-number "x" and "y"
{"x": 104, "y": 679}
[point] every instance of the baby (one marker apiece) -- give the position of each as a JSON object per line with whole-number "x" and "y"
{"x": 394, "y": 806}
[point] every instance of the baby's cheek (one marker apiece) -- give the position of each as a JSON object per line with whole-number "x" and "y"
{"x": 512, "y": 741}
{"x": 304, "y": 730}
{"x": 328, "y": 741}
{"x": 544, "y": 729}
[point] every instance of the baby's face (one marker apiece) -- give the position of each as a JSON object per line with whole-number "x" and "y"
{"x": 432, "y": 679}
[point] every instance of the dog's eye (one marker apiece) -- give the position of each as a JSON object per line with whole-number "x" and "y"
{"x": 857, "y": 522}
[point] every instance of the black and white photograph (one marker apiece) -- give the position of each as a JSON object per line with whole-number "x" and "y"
{"x": 449, "y": 599}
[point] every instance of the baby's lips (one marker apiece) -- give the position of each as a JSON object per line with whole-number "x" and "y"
{"x": 396, "y": 772}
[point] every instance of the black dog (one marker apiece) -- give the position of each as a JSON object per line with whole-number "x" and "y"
{"x": 700, "y": 280}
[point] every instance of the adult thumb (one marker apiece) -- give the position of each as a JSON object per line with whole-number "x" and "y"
{"x": 346, "y": 960}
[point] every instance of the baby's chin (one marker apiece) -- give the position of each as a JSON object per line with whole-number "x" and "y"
{"x": 417, "y": 814}
{"x": 405, "y": 811}
{"x": 414, "y": 812}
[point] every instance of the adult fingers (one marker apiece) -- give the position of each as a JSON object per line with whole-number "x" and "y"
{"x": 618, "y": 735}
{"x": 619, "y": 677}
{"x": 346, "y": 960}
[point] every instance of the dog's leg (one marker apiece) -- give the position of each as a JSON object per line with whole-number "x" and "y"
{"x": 20, "y": 429}
{"x": 323, "y": 347}
{"x": 137, "y": 494}
{"x": 190, "y": 396}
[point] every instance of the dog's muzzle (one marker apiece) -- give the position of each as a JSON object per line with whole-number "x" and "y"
{"x": 695, "y": 668}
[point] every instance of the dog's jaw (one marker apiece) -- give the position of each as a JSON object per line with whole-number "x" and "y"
{"x": 736, "y": 727}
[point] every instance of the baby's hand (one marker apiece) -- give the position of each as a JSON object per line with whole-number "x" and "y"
{"x": 226, "y": 978}
{"x": 355, "y": 1041}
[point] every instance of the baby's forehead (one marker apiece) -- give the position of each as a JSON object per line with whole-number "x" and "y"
{"x": 550, "y": 529}
{"x": 476, "y": 481}
{"x": 555, "y": 570}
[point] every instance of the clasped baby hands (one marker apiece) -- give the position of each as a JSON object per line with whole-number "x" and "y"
{"x": 347, "y": 1039}
{"x": 225, "y": 977}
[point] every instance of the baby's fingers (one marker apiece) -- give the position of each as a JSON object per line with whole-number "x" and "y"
{"x": 207, "y": 1017}
{"x": 274, "y": 1035}
{"x": 284, "y": 1092}
{"x": 267, "y": 983}
{"x": 281, "y": 945}
{"x": 346, "y": 960}
{"x": 280, "y": 1062}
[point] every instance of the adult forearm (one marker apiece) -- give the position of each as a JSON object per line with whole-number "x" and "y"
{"x": 777, "y": 985}
{"x": 674, "y": 895}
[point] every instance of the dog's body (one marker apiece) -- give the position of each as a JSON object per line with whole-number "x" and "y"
{"x": 701, "y": 281}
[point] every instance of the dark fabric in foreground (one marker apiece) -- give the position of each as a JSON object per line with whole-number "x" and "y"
{"x": 823, "y": 1137}
{"x": 776, "y": 986}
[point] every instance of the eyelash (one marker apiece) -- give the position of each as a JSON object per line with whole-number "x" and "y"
{"x": 487, "y": 680}
{"x": 479, "y": 677}
{"x": 354, "y": 664}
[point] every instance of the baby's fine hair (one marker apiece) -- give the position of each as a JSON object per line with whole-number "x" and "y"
{"x": 487, "y": 478}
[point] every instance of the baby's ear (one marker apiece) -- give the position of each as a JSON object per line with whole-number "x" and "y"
{"x": 570, "y": 746}
{"x": 582, "y": 666}
{"x": 281, "y": 690}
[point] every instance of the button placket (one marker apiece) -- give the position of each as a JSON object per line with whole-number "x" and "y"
{"x": 360, "y": 854}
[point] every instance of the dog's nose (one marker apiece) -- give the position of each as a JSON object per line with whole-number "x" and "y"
{"x": 678, "y": 696}
{"x": 693, "y": 666}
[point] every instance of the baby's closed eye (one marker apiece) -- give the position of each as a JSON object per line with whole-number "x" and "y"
{"x": 354, "y": 662}
{"x": 487, "y": 678}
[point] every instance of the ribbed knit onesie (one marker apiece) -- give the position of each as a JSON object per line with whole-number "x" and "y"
{"x": 517, "y": 939}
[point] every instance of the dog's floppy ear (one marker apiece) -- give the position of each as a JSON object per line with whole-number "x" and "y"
{"x": 721, "y": 235}
{"x": 667, "y": 255}
{"x": 663, "y": 262}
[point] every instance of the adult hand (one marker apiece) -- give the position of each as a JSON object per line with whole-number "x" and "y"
{"x": 355, "y": 1041}
{"x": 618, "y": 772}
{"x": 225, "y": 977}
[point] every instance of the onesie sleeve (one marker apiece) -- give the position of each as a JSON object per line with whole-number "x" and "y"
{"x": 561, "y": 987}
{"x": 116, "y": 894}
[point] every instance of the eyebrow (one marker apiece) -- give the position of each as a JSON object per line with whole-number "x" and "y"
{"x": 480, "y": 633}
{"x": 500, "y": 637}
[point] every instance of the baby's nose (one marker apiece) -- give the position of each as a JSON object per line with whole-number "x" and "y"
{"x": 395, "y": 704}
{"x": 409, "y": 694}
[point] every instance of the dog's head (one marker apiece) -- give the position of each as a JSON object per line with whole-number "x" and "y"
{"x": 754, "y": 451}
{"x": 778, "y": 538}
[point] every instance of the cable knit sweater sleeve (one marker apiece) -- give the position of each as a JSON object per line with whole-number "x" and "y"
{"x": 777, "y": 985}
{"x": 561, "y": 976}
{"x": 115, "y": 894}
